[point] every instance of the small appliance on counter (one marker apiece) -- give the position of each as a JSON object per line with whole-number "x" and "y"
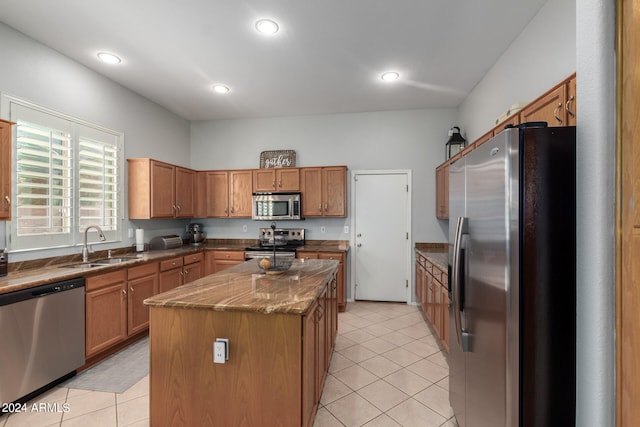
{"x": 171, "y": 241}
{"x": 195, "y": 235}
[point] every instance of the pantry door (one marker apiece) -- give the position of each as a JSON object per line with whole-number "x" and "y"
{"x": 381, "y": 225}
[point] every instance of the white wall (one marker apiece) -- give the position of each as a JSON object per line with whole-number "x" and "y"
{"x": 542, "y": 56}
{"x": 412, "y": 139}
{"x": 36, "y": 73}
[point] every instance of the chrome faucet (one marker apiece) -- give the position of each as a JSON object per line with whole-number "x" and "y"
{"x": 85, "y": 248}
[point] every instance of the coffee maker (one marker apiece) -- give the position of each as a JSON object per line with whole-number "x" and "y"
{"x": 195, "y": 234}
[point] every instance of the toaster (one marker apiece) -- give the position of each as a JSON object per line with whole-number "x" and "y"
{"x": 171, "y": 241}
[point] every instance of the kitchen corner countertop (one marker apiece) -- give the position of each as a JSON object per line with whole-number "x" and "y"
{"x": 437, "y": 253}
{"x": 245, "y": 287}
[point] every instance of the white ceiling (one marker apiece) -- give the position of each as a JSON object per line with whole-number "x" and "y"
{"x": 327, "y": 57}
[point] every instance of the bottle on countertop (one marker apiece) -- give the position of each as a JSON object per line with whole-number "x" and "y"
{"x": 4, "y": 262}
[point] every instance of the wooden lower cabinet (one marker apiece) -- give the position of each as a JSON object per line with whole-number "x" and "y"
{"x": 432, "y": 295}
{"x": 105, "y": 311}
{"x": 142, "y": 283}
{"x": 180, "y": 270}
{"x": 218, "y": 260}
{"x": 114, "y": 309}
{"x": 340, "y": 257}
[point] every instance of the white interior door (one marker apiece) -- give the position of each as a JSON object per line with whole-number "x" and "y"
{"x": 381, "y": 235}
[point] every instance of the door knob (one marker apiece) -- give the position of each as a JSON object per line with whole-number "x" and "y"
{"x": 359, "y": 235}
{"x": 359, "y": 244}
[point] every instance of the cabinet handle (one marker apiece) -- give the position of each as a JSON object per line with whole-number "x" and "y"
{"x": 226, "y": 210}
{"x": 280, "y": 184}
{"x": 124, "y": 291}
{"x": 320, "y": 207}
{"x": 131, "y": 289}
{"x": 555, "y": 113}
{"x": 232, "y": 209}
{"x": 571, "y": 113}
{"x": 8, "y": 200}
{"x": 273, "y": 184}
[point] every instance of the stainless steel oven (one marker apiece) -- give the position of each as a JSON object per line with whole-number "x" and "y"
{"x": 285, "y": 241}
{"x": 274, "y": 206}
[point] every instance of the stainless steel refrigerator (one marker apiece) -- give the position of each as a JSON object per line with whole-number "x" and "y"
{"x": 512, "y": 261}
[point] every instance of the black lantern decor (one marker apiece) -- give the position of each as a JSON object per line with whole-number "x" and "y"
{"x": 456, "y": 142}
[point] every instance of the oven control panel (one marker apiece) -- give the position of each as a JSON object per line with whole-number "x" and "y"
{"x": 281, "y": 236}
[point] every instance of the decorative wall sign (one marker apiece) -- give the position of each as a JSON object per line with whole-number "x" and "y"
{"x": 278, "y": 159}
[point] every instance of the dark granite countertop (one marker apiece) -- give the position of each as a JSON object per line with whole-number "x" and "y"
{"x": 32, "y": 273}
{"x": 244, "y": 287}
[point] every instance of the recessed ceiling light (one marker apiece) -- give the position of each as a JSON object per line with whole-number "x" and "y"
{"x": 109, "y": 58}
{"x": 267, "y": 26}
{"x": 390, "y": 76}
{"x": 220, "y": 88}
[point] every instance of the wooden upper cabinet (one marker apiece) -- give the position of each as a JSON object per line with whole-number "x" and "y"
{"x": 153, "y": 188}
{"x": 276, "y": 179}
{"x": 324, "y": 191}
{"x": 513, "y": 120}
{"x": 549, "y": 108}
{"x": 5, "y": 169}
{"x": 185, "y": 185}
{"x": 216, "y": 193}
{"x": 240, "y": 192}
{"x": 484, "y": 138}
{"x": 442, "y": 191}
{"x": 571, "y": 106}
{"x": 311, "y": 185}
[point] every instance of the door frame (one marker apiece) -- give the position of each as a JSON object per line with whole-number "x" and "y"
{"x": 352, "y": 208}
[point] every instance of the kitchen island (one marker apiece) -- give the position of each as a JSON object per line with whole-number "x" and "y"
{"x": 281, "y": 331}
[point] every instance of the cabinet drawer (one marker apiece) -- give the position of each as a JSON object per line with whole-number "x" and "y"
{"x": 232, "y": 255}
{"x": 193, "y": 258}
{"x": 306, "y": 255}
{"x": 142, "y": 270}
{"x": 104, "y": 280}
{"x": 331, "y": 255}
{"x": 171, "y": 263}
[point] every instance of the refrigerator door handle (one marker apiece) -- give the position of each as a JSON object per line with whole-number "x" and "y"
{"x": 459, "y": 266}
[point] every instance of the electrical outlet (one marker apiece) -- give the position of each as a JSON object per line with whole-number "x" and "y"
{"x": 244, "y": 228}
{"x": 323, "y": 229}
{"x": 130, "y": 233}
{"x": 219, "y": 352}
{"x": 346, "y": 229}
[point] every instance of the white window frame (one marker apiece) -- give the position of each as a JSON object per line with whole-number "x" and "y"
{"x": 78, "y": 129}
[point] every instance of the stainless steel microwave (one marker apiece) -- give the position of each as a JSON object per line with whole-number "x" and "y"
{"x": 273, "y": 206}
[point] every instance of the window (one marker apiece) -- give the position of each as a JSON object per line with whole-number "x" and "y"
{"x": 67, "y": 177}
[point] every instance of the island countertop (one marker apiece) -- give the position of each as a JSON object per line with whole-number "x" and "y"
{"x": 245, "y": 287}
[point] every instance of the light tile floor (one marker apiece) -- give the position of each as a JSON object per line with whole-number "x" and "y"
{"x": 387, "y": 370}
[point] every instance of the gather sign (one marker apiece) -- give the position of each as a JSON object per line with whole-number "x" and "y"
{"x": 278, "y": 159}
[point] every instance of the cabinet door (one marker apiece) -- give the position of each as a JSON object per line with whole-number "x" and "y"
{"x": 437, "y": 308}
{"x": 240, "y": 191}
{"x": 321, "y": 333}
{"x": 217, "y": 194}
{"x": 444, "y": 300}
{"x": 440, "y": 192}
{"x": 192, "y": 272}
{"x": 106, "y": 312}
{"x": 138, "y": 290}
{"x": 287, "y": 179}
{"x": 334, "y": 191}
{"x": 571, "y": 106}
{"x": 5, "y": 170}
{"x": 170, "y": 279}
{"x": 264, "y": 180}
{"x": 162, "y": 190}
{"x": 311, "y": 187}
{"x": 339, "y": 276}
{"x": 306, "y": 255}
{"x": 309, "y": 366}
{"x": 185, "y": 192}
{"x": 484, "y": 138}
{"x": 548, "y": 108}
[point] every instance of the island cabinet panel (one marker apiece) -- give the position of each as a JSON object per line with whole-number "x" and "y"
{"x": 260, "y": 384}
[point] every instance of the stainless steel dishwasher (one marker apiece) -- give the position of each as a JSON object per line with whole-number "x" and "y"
{"x": 42, "y": 333}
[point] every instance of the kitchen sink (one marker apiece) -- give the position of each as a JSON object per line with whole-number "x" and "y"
{"x": 100, "y": 262}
